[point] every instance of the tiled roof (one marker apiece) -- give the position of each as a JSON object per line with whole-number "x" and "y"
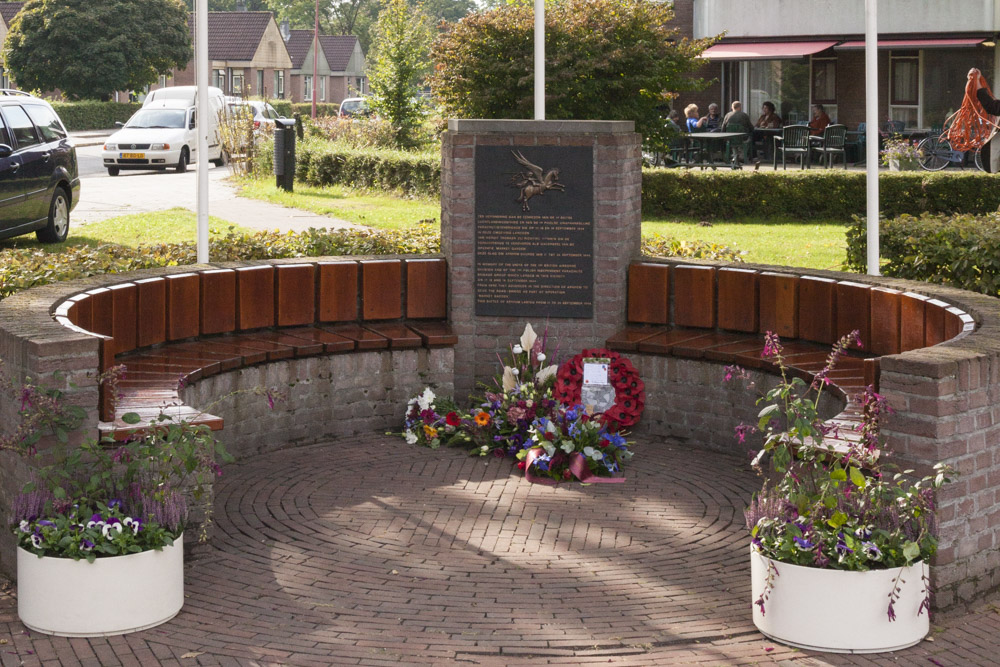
{"x": 338, "y": 50}
{"x": 234, "y": 35}
{"x": 8, "y": 10}
{"x": 298, "y": 47}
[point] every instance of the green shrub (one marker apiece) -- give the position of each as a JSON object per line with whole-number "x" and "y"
{"x": 960, "y": 250}
{"x": 657, "y": 245}
{"x": 323, "y": 109}
{"x": 326, "y": 163}
{"x": 827, "y": 193}
{"x": 22, "y": 268}
{"x": 354, "y": 132}
{"x": 93, "y": 114}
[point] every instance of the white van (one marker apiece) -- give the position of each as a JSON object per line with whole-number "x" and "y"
{"x": 162, "y": 133}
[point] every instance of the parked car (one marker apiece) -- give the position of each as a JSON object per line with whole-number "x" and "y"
{"x": 39, "y": 178}
{"x": 162, "y": 134}
{"x": 264, "y": 114}
{"x": 355, "y": 106}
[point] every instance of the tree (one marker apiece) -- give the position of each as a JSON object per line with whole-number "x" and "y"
{"x": 91, "y": 48}
{"x": 605, "y": 59}
{"x": 400, "y": 59}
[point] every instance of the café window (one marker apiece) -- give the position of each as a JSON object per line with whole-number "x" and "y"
{"x": 904, "y": 87}
{"x": 824, "y": 80}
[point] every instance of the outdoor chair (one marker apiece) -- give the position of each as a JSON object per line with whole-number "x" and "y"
{"x": 794, "y": 140}
{"x": 832, "y": 144}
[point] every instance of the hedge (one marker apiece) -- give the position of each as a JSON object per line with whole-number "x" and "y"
{"x": 812, "y": 194}
{"x": 288, "y": 109}
{"x": 94, "y": 115}
{"x": 961, "y": 250}
{"x": 327, "y": 163}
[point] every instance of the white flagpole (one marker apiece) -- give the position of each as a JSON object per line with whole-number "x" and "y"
{"x": 204, "y": 109}
{"x": 871, "y": 131}
{"x": 539, "y": 59}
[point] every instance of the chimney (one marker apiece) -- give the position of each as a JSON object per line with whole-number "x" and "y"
{"x": 285, "y": 30}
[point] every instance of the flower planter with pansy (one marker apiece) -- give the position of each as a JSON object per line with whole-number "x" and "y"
{"x": 839, "y": 545}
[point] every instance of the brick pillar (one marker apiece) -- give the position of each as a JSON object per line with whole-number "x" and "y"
{"x": 617, "y": 189}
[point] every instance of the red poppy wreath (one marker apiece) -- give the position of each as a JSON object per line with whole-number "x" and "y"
{"x": 630, "y": 392}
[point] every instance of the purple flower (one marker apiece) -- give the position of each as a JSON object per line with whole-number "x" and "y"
{"x": 36, "y": 541}
{"x": 803, "y": 544}
{"x": 46, "y": 522}
{"x": 114, "y": 503}
{"x": 872, "y": 551}
{"x": 86, "y": 545}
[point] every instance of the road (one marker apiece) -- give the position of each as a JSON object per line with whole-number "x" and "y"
{"x": 103, "y": 196}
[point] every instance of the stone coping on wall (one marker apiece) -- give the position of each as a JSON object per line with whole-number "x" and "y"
{"x": 482, "y": 125}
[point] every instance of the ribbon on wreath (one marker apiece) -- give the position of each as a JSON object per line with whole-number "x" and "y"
{"x": 577, "y": 466}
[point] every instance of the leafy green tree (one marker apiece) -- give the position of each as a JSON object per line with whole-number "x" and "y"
{"x": 230, "y": 5}
{"x": 399, "y": 61}
{"x": 605, "y": 59}
{"x": 91, "y": 48}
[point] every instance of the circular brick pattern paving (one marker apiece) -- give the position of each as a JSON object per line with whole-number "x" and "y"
{"x": 369, "y": 551}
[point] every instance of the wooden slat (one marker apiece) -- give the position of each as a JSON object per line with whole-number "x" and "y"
{"x": 934, "y": 317}
{"x": 779, "y": 304}
{"x": 885, "y": 315}
{"x": 301, "y": 347}
{"x": 332, "y": 343}
{"x": 854, "y": 312}
{"x": 663, "y": 343}
{"x": 228, "y": 345}
{"x": 381, "y": 289}
{"x": 364, "y": 339}
{"x": 434, "y": 334}
{"x": 426, "y": 289}
{"x": 275, "y": 351}
{"x": 648, "y": 293}
{"x": 152, "y": 311}
{"x": 296, "y": 294}
{"x": 738, "y": 299}
{"x": 103, "y": 311}
{"x": 627, "y": 340}
{"x": 873, "y": 369}
{"x": 218, "y": 301}
{"x": 697, "y": 348}
{"x": 200, "y": 351}
{"x": 399, "y": 336}
{"x": 911, "y": 321}
{"x": 817, "y": 309}
{"x": 338, "y": 291}
{"x": 123, "y": 309}
{"x": 183, "y": 303}
{"x": 254, "y": 297}
{"x": 84, "y": 311}
{"x": 694, "y": 296}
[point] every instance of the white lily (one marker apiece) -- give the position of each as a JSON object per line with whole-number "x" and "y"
{"x": 567, "y": 446}
{"x": 550, "y": 449}
{"x": 528, "y": 338}
{"x": 509, "y": 382}
{"x": 411, "y": 438}
{"x": 426, "y": 399}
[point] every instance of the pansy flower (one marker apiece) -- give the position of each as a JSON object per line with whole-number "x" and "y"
{"x": 86, "y": 545}
{"x": 24, "y": 526}
{"x": 36, "y": 540}
{"x": 803, "y": 544}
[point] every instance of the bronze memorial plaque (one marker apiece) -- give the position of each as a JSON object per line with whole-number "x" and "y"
{"x": 534, "y": 231}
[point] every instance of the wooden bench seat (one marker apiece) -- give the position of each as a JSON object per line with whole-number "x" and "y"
{"x": 721, "y": 314}
{"x": 177, "y": 329}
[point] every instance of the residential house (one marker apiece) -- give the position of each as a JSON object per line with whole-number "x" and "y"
{"x": 800, "y": 52}
{"x": 301, "y": 48}
{"x": 8, "y": 10}
{"x": 246, "y": 53}
{"x": 348, "y": 72}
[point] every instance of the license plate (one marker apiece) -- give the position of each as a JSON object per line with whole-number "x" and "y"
{"x": 133, "y": 156}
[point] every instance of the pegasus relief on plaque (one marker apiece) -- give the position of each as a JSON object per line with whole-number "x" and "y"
{"x": 534, "y": 181}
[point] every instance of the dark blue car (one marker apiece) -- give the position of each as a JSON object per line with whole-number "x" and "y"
{"x": 39, "y": 178}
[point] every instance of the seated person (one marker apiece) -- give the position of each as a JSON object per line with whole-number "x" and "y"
{"x": 768, "y": 118}
{"x": 713, "y": 120}
{"x": 736, "y": 119}
{"x": 692, "y": 122}
{"x": 819, "y": 121}
{"x": 674, "y": 120}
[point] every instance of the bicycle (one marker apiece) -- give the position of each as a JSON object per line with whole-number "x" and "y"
{"x": 936, "y": 153}
{"x": 969, "y": 128}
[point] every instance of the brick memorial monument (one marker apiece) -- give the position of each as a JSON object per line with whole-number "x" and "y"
{"x": 539, "y": 222}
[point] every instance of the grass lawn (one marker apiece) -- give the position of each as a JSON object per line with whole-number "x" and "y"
{"x": 176, "y": 225}
{"x": 814, "y": 244}
{"x": 387, "y": 211}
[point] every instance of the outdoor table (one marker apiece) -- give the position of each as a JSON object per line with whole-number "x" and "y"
{"x": 703, "y": 146}
{"x": 765, "y": 134}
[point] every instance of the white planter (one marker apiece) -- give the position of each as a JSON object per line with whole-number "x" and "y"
{"x": 111, "y": 596}
{"x": 838, "y": 611}
{"x": 904, "y": 164}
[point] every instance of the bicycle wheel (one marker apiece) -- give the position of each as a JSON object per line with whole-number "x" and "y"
{"x": 978, "y": 159}
{"x": 935, "y": 153}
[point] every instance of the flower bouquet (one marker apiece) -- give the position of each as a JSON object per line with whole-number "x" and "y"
{"x": 832, "y": 510}
{"x": 900, "y": 150}
{"x": 573, "y": 444}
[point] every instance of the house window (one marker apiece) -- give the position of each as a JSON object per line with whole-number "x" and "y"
{"x": 260, "y": 82}
{"x": 307, "y": 86}
{"x": 322, "y": 89}
{"x": 824, "y": 80}
{"x": 361, "y": 85}
{"x": 279, "y": 84}
{"x": 784, "y": 83}
{"x": 904, "y": 87}
{"x": 219, "y": 79}
{"x": 163, "y": 81}
{"x": 237, "y": 88}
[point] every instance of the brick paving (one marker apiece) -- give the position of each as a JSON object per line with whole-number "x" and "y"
{"x": 368, "y": 551}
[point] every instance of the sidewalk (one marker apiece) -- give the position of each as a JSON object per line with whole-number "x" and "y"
{"x": 90, "y": 137}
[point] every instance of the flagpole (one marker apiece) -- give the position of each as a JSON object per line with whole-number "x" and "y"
{"x": 203, "y": 125}
{"x": 539, "y": 59}
{"x": 871, "y": 132}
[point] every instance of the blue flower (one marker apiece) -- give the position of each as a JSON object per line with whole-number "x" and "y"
{"x": 46, "y": 522}
{"x": 114, "y": 503}
{"x": 803, "y": 544}
{"x": 842, "y": 548}
{"x": 86, "y": 545}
